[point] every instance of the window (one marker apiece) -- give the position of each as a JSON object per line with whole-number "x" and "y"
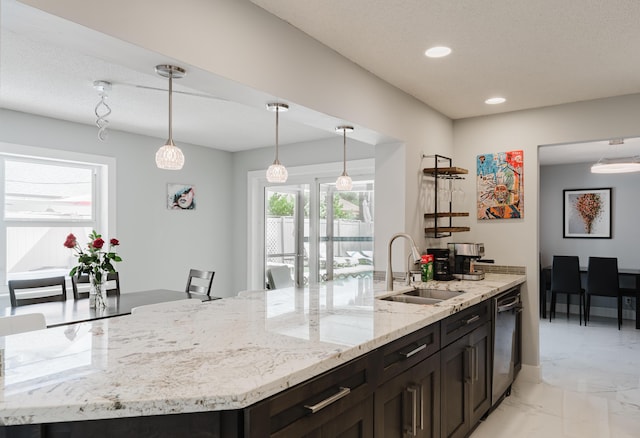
{"x": 43, "y": 200}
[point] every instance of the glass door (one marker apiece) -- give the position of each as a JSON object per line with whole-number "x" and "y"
{"x": 346, "y": 231}
{"x": 286, "y": 236}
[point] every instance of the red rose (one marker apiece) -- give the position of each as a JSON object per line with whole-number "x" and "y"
{"x": 98, "y": 243}
{"x": 70, "y": 242}
{"x": 114, "y": 242}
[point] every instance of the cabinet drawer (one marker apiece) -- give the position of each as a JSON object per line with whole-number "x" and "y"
{"x": 402, "y": 354}
{"x": 328, "y": 395}
{"x": 464, "y": 322}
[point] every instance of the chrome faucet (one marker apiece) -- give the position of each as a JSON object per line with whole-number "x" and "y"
{"x": 414, "y": 252}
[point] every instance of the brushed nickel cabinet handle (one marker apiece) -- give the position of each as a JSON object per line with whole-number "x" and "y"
{"x": 468, "y": 365}
{"x": 472, "y": 319}
{"x": 415, "y": 395}
{"x": 413, "y": 352}
{"x": 343, "y": 392}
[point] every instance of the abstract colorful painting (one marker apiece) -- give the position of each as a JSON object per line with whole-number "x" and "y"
{"x": 587, "y": 213}
{"x": 500, "y": 185}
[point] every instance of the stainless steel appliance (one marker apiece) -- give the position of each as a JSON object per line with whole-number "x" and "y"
{"x": 507, "y": 342}
{"x": 462, "y": 258}
{"x": 441, "y": 268}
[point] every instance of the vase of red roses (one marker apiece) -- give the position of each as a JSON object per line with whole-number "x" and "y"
{"x": 97, "y": 262}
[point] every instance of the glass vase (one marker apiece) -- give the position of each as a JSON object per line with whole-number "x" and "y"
{"x": 98, "y": 290}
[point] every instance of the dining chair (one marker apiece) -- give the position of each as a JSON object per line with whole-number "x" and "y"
{"x": 203, "y": 281}
{"x": 602, "y": 280}
{"x": 40, "y": 290}
{"x": 565, "y": 279}
{"x": 279, "y": 277}
{"x": 545, "y": 285}
{"x": 113, "y": 285}
{"x": 10, "y": 325}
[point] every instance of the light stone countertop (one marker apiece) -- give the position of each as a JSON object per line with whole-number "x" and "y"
{"x": 220, "y": 355}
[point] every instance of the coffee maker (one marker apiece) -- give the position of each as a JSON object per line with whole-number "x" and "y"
{"x": 462, "y": 258}
{"x": 441, "y": 264}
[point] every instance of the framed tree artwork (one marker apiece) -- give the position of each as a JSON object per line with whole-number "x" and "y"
{"x": 587, "y": 213}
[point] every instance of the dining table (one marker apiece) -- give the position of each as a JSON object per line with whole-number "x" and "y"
{"x": 545, "y": 277}
{"x": 57, "y": 313}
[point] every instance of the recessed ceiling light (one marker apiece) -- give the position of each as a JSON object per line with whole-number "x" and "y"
{"x": 437, "y": 52}
{"x": 495, "y": 100}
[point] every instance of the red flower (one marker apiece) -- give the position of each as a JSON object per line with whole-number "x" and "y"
{"x": 70, "y": 242}
{"x": 98, "y": 243}
{"x": 114, "y": 242}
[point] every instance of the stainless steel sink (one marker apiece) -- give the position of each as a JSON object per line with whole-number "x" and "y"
{"x": 424, "y": 296}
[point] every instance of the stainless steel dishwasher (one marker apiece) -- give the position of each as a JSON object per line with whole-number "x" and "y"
{"x": 507, "y": 310}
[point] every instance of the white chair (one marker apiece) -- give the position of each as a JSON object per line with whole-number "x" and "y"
{"x": 10, "y": 325}
{"x": 167, "y": 305}
{"x": 279, "y": 277}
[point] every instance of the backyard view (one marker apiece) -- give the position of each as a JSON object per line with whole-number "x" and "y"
{"x": 343, "y": 245}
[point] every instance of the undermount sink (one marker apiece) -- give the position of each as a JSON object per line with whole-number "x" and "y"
{"x": 424, "y": 296}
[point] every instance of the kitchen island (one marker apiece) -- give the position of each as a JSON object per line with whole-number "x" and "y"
{"x": 222, "y": 355}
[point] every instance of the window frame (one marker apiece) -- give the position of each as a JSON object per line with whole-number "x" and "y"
{"x": 103, "y": 207}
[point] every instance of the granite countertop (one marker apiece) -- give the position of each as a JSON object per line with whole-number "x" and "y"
{"x": 220, "y": 355}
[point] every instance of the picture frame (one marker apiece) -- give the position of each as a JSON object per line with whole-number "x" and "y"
{"x": 587, "y": 213}
{"x": 181, "y": 196}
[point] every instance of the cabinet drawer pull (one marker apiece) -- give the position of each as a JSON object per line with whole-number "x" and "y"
{"x": 413, "y": 352}
{"x": 472, "y": 320}
{"x": 327, "y": 401}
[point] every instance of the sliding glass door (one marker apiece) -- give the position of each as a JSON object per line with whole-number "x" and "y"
{"x": 346, "y": 231}
{"x": 285, "y": 234}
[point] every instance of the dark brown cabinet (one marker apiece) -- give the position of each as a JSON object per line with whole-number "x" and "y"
{"x": 408, "y": 405}
{"x": 336, "y": 404}
{"x": 407, "y": 400}
{"x": 466, "y": 372}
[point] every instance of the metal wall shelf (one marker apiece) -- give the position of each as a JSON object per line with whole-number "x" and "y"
{"x": 446, "y": 172}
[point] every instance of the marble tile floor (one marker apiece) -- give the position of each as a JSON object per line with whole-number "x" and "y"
{"x": 590, "y": 385}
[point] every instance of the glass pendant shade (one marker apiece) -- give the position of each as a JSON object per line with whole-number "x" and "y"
{"x": 169, "y": 157}
{"x": 344, "y": 182}
{"x": 277, "y": 173}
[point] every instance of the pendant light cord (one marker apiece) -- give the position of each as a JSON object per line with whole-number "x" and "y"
{"x": 170, "y": 108}
{"x": 344, "y": 151}
{"x": 277, "y": 129}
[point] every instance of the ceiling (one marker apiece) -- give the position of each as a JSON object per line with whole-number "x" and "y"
{"x": 534, "y": 54}
{"x": 48, "y": 66}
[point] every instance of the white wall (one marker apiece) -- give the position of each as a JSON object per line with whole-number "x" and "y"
{"x": 625, "y": 239}
{"x": 515, "y": 242}
{"x": 158, "y": 245}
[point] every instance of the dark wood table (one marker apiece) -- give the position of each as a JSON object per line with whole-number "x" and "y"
{"x": 74, "y": 311}
{"x": 622, "y": 272}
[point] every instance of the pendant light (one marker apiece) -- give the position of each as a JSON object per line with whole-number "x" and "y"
{"x": 344, "y": 181}
{"x": 170, "y": 156}
{"x": 277, "y": 173}
{"x": 620, "y": 165}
